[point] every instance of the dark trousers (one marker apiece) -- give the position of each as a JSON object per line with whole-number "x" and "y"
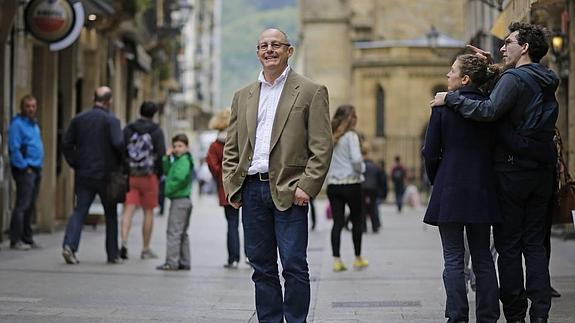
{"x": 161, "y": 195}
{"x": 233, "y": 237}
{"x": 399, "y": 191}
{"x": 524, "y": 198}
{"x": 339, "y": 196}
{"x": 267, "y": 230}
{"x": 85, "y": 192}
{"x": 27, "y": 186}
{"x": 487, "y": 295}
{"x": 370, "y": 210}
{"x": 312, "y": 214}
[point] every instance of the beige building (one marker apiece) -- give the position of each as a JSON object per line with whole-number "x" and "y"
{"x": 386, "y": 57}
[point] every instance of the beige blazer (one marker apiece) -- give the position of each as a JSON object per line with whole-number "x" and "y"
{"x": 301, "y": 140}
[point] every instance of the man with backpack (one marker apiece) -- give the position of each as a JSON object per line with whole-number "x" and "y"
{"x": 523, "y": 101}
{"x": 145, "y": 147}
{"x": 398, "y": 176}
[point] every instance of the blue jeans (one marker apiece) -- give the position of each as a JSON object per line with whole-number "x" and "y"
{"x": 267, "y": 230}
{"x": 233, "y": 238}
{"x": 487, "y": 294}
{"x": 85, "y": 191}
{"x": 27, "y": 186}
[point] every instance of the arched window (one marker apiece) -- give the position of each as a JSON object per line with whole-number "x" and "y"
{"x": 380, "y": 112}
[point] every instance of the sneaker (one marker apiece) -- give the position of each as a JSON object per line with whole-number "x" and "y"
{"x": 34, "y": 245}
{"x": 231, "y": 265}
{"x": 20, "y": 246}
{"x": 360, "y": 263}
{"x": 183, "y": 267}
{"x": 124, "y": 253}
{"x": 115, "y": 261}
{"x": 339, "y": 266}
{"x": 555, "y": 293}
{"x": 148, "y": 254}
{"x": 166, "y": 267}
{"x": 69, "y": 256}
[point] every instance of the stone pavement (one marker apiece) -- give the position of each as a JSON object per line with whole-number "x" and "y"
{"x": 402, "y": 284}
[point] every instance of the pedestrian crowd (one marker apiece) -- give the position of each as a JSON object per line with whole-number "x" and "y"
{"x": 488, "y": 152}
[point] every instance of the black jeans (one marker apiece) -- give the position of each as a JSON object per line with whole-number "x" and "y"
{"x": 85, "y": 191}
{"x": 27, "y": 186}
{"x": 487, "y": 296}
{"x": 233, "y": 236}
{"x": 370, "y": 206}
{"x": 339, "y": 196}
{"x": 524, "y": 197}
{"x": 399, "y": 191}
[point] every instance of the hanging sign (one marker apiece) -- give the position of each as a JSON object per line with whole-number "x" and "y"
{"x": 56, "y": 22}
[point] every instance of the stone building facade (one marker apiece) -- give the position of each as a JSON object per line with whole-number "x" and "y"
{"x": 386, "y": 57}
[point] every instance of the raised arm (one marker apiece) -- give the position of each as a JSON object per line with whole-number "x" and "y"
{"x": 502, "y": 99}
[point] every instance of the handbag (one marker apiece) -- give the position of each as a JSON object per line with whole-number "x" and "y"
{"x": 564, "y": 201}
{"x": 117, "y": 187}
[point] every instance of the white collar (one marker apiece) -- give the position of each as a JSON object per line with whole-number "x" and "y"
{"x": 283, "y": 75}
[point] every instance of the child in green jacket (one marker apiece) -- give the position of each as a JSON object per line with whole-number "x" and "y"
{"x": 178, "y": 167}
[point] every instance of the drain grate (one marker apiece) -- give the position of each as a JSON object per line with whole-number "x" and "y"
{"x": 376, "y": 304}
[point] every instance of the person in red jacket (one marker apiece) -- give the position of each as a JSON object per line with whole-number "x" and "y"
{"x": 214, "y": 159}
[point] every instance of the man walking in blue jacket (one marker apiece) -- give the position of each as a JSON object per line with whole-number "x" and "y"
{"x": 93, "y": 145}
{"x": 26, "y": 160}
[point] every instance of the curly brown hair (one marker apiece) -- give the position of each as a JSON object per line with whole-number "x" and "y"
{"x": 479, "y": 71}
{"x": 342, "y": 121}
{"x": 534, "y": 35}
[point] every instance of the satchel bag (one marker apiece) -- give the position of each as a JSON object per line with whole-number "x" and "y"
{"x": 564, "y": 201}
{"x": 117, "y": 187}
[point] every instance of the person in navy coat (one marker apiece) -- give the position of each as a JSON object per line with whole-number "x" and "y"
{"x": 458, "y": 160}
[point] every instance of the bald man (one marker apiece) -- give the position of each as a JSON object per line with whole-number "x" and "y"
{"x": 276, "y": 157}
{"x": 93, "y": 146}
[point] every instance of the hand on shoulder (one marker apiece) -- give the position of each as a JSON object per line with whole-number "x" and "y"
{"x": 438, "y": 100}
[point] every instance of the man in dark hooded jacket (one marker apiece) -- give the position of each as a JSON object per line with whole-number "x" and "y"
{"x": 524, "y": 161}
{"x": 145, "y": 146}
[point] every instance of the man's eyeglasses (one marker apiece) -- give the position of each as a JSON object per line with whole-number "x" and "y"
{"x": 509, "y": 42}
{"x": 273, "y": 45}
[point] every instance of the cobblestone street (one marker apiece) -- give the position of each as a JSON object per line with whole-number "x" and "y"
{"x": 402, "y": 284}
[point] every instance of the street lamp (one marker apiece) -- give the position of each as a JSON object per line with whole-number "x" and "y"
{"x": 560, "y": 52}
{"x": 558, "y": 43}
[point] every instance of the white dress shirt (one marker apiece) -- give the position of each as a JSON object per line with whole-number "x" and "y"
{"x": 269, "y": 99}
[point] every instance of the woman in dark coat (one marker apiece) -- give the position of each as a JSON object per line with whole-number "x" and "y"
{"x": 458, "y": 161}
